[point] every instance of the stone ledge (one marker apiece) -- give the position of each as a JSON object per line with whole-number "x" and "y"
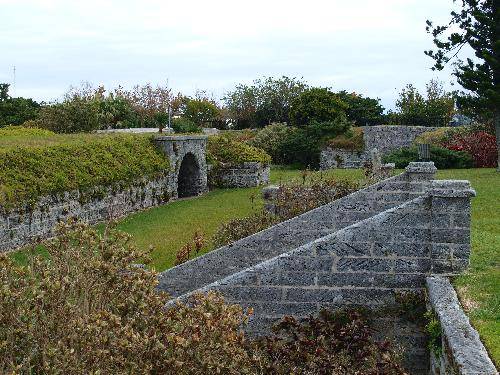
{"x": 421, "y": 167}
{"x": 467, "y": 352}
{"x": 451, "y": 189}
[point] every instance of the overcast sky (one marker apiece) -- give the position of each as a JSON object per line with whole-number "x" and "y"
{"x": 373, "y": 47}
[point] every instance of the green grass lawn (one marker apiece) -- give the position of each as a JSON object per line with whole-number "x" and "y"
{"x": 168, "y": 228}
{"x": 479, "y": 288}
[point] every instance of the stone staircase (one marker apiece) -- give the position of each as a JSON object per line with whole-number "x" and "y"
{"x": 369, "y": 249}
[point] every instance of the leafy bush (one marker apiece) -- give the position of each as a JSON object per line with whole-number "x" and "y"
{"x": 243, "y": 135}
{"x": 442, "y": 157}
{"x": 89, "y": 309}
{"x": 240, "y": 228}
{"x": 184, "y": 125}
{"x": 225, "y": 151}
{"x": 28, "y": 173}
{"x": 21, "y": 131}
{"x": 71, "y": 116}
{"x": 202, "y": 113}
{"x": 477, "y": 140}
{"x": 316, "y": 105}
{"x": 352, "y": 140}
{"x": 271, "y": 140}
{"x": 334, "y": 343}
{"x": 303, "y": 145}
{"x": 362, "y": 111}
{"x": 15, "y": 111}
{"x": 481, "y": 146}
{"x": 292, "y": 200}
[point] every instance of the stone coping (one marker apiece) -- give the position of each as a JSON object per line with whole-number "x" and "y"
{"x": 180, "y": 137}
{"x": 461, "y": 340}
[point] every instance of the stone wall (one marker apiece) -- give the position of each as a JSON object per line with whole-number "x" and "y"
{"x": 386, "y": 138}
{"x": 383, "y": 138}
{"x": 187, "y": 177}
{"x": 462, "y": 352}
{"x": 247, "y": 174}
{"x": 336, "y": 158}
{"x": 372, "y": 249}
{"x": 22, "y": 227}
{"x": 297, "y": 231}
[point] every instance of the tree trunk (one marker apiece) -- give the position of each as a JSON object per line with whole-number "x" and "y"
{"x": 496, "y": 119}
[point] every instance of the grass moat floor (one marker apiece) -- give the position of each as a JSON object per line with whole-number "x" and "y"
{"x": 168, "y": 228}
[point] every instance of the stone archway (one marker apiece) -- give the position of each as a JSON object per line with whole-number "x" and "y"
{"x": 189, "y": 179}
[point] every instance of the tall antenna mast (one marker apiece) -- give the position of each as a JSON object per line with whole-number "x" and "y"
{"x": 14, "y": 83}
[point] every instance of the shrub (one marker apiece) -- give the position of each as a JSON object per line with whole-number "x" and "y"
{"x": 222, "y": 150}
{"x": 15, "y": 111}
{"x": 481, "y": 146}
{"x": 316, "y": 105}
{"x": 71, "y": 116}
{"x": 240, "y": 228}
{"x": 352, "y": 140}
{"x": 334, "y": 343}
{"x": 184, "y": 125}
{"x": 442, "y": 157}
{"x": 292, "y": 200}
{"x": 89, "y": 309}
{"x": 271, "y": 140}
{"x": 82, "y": 162}
{"x": 21, "y": 132}
{"x": 361, "y": 110}
{"x": 303, "y": 145}
{"x": 202, "y": 113}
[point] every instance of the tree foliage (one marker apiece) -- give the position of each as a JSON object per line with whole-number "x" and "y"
{"x": 15, "y": 111}
{"x": 362, "y": 110}
{"x": 475, "y": 25}
{"x": 436, "y": 108}
{"x": 263, "y": 102}
{"x": 316, "y": 105}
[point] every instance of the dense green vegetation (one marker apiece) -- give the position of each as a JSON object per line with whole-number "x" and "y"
{"x": 224, "y": 150}
{"x": 54, "y": 164}
{"x": 442, "y": 157}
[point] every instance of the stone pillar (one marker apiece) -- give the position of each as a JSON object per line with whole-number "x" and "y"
{"x": 269, "y": 195}
{"x": 419, "y": 176}
{"x": 450, "y": 225}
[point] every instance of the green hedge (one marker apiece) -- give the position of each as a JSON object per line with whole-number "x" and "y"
{"x": 442, "y": 158}
{"x": 30, "y": 172}
{"x": 223, "y": 150}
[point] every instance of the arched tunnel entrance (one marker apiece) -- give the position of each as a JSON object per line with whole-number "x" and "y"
{"x": 189, "y": 180}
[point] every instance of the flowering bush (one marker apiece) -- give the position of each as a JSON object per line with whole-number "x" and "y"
{"x": 480, "y": 145}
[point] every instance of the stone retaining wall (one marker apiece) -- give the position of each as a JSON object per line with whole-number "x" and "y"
{"x": 249, "y": 174}
{"x": 462, "y": 352}
{"x": 297, "y": 231}
{"x": 22, "y": 227}
{"x": 187, "y": 177}
{"x": 383, "y": 138}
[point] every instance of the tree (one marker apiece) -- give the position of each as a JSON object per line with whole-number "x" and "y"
{"x": 436, "y": 108}
{"x": 15, "y": 111}
{"x": 478, "y": 24}
{"x": 362, "y": 110}
{"x": 202, "y": 112}
{"x": 263, "y": 102}
{"x": 316, "y": 104}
